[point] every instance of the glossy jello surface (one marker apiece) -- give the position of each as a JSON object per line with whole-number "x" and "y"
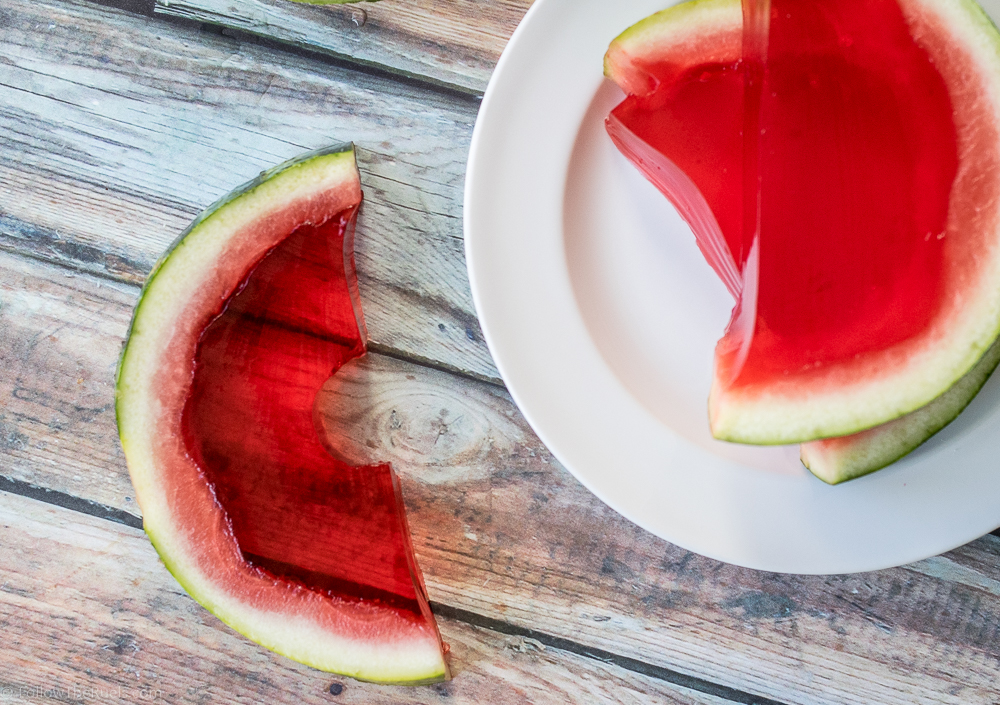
{"x": 250, "y": 424}
{"x": 690, "y": 126}
{"x": 856, "y": 157}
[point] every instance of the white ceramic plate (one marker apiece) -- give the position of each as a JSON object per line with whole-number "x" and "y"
{"x": 602, "y": 318}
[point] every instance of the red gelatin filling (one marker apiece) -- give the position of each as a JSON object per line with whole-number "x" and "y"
{"x": 686, "y": 137}
{"x": 297, "y": 513}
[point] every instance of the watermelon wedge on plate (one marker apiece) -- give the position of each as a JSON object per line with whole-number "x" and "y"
{"x": 935, "y": 315}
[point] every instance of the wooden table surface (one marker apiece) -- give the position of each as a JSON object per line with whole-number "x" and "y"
{"x": 120, "y": 121}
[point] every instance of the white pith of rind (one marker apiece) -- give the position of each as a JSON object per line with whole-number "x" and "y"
{"x": 951, "y": 346}
{"x": 300, "y": 639}
{"x": 184, "y": 270}
{"x": 680, "y": 25}
{"x": 839, "y": 460}
{"x": 677, "y": 30}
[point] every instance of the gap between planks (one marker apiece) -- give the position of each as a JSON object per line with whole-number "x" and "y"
{"x": 101, "y": 511}
{"x": 375, "y": 347}
{"x": 99, "y": 618}
{"x": 163, "y": 12}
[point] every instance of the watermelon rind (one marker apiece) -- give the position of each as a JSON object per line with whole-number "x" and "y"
{"x": 709, "y": 29}
{"x": 913, "y": 377}
{"x": 180, "y": 297}
{"x": 837, "y": 460}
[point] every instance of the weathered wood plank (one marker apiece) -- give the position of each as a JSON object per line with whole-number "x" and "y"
{"x": 60, "y": 336}
{"x": 91, "y": 615}
{"x": 506, "y": 533}
{"x": 455, "y": 43}
{"x": 539, "y": 538}
{"x": 501, "y": 530}
{"x": 118, "y": 129}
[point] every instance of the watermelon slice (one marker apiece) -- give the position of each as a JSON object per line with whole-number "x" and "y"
{"x": 836, "y": 460}
{"x": 681, "y": 70}
{"x": 236, "y": 330}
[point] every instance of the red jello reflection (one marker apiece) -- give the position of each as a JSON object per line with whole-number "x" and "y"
{"x": 856, "y": 156}
{"x": 250, "y": 424}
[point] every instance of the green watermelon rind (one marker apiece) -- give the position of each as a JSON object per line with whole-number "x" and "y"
{"x": 838, "y": 460}
{"x": 310, "y": 174}
{"x": 670, "y": 24}
{"x": 669, "y": 32}
{"x": 212, "y": 211}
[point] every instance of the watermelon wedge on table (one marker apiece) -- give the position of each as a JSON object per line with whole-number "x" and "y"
{"x": 681, "y": 125}
{"x": 236, "y": 330}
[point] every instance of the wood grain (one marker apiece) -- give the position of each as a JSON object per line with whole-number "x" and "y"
{"x": 118, "y": 130}
{"x": 60, "y": 336}
{"x": 534, "y": 536}
{"x": 454, "y": 43}
{"x": 91, "y": 615}
{"x": 501, "y": 530}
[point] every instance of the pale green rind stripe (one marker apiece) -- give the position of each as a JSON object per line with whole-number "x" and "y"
{"x": 668, "y": 25}
{"x": 868, "y": 451}
{"x": 241, "y": 620}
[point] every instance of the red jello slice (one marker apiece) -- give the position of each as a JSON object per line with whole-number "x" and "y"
{"x": 296, "y": 513}
{"x": 856, "y": 159}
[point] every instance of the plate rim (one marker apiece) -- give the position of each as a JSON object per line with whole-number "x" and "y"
{"x": 493, "y": 109}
